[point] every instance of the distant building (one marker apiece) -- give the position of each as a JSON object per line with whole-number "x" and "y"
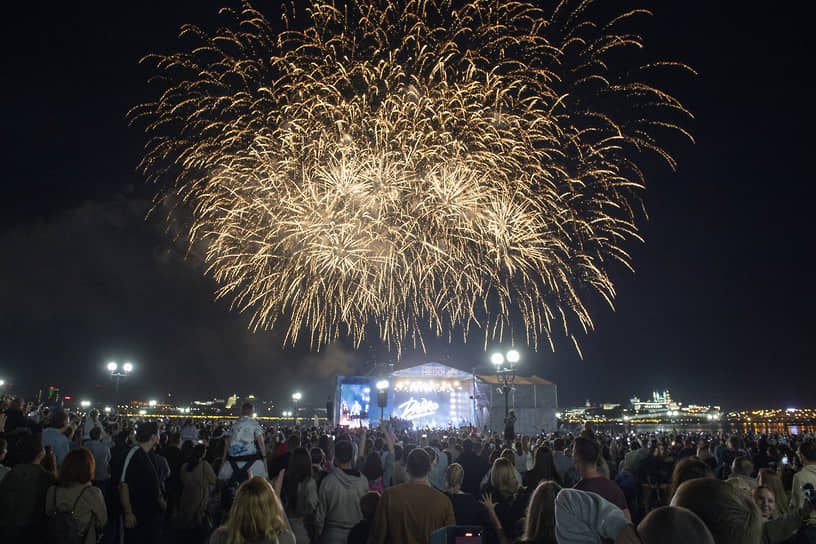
{"x": 661, "y": 408}
{"x": 661, "y": 403}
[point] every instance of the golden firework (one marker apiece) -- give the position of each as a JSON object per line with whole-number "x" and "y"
{"x": 418, "y": 166}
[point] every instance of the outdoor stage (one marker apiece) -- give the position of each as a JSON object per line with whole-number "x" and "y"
{"x": 433, "y": 395}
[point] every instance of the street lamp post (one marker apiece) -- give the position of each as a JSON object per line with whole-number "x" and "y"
{"x": 506, "y": 372}
{"x": 117, "y": 374}
{"x": 296, "y": 397}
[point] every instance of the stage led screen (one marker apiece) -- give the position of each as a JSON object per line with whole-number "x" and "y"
{"x": 432, "y": 403}
{"x": 355, "y": 404}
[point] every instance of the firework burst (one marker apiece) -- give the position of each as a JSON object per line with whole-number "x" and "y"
{"x": 424, "y": 167}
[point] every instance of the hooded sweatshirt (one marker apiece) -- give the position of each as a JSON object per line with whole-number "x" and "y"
{"x": 338, "y": 508}
{"x": 582, "y": 517}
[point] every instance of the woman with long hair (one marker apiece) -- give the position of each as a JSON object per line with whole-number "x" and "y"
{"x": 256, "y": 517}
{"x": 466, "y": 509}
{"x": 777, "y": 528}
{"x": 539, "y": 526}
{"x": 769, "y": 478}
{"x": 300, "y": 494}
{"x": 196, "y": 475}
{"x": 506, "y": 501}
{"x": 75, "y": 494}
{"x": 543, "y": 469}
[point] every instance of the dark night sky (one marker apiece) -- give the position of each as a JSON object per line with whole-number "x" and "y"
{"x": 720, "y": 309}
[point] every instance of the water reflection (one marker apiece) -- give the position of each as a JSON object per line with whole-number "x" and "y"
{"x": 767, "y": 428}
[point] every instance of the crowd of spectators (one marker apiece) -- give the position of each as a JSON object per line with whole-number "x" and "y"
{"x": 82, "y": 477}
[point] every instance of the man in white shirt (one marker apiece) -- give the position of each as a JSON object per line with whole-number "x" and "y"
{"x": 245, "y": 447}
{"x": 91, "y": 422}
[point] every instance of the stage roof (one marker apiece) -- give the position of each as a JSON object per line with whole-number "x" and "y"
{"x": 432, "y": 370}
{"x": 520, "y": 380}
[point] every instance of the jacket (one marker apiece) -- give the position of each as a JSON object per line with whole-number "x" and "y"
{"x": 581, "y": 517}
{"x": 338, "y": 506}
{"x": 22, "y": 502}
{"x": 90, "y": 511}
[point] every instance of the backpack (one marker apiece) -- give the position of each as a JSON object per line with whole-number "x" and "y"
{"x": 63, "y": 526}
{"x": 239, "y": 476}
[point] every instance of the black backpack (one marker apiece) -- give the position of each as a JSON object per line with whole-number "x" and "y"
{"x": 239, "y": 476}
{"x": 63, "y": 526}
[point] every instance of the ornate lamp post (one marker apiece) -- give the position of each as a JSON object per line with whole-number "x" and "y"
{"x": 505, "y": 365}
{"x": 117, "y": 374}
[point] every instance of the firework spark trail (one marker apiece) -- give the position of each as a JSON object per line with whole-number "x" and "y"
{"x": 423, "y": 166}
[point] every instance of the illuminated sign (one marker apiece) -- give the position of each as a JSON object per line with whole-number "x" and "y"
{"x": 415, "y": 409}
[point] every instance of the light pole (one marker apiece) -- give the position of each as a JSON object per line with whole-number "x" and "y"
{"x": 117, "y": 374}
{"x": 506, "y": 371}
{"x": 382, "y": 397}
{"x": 296, "y": 397}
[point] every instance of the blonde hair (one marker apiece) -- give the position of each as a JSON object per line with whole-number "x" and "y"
{"x": 770, "y": 479}
{"x": 503, "y": 478}
{"x": 454, "y": 475}
{"x": 256, "y": 514}
{"x": 739, "y": 484}
{"x": 540, "y": 523}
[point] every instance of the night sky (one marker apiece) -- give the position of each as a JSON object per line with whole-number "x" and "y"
{"x": 720, "y": 309}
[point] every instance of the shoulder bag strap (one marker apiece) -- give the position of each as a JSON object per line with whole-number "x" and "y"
{"x": 93, "y": 514}
{"x": 127, "y": 462}
{"x": 204, "y": 484}
{"x": 78, "y": 497}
